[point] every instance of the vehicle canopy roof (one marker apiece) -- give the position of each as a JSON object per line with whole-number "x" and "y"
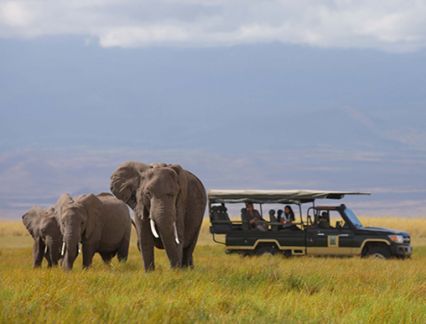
{"x": 275, "y": 196}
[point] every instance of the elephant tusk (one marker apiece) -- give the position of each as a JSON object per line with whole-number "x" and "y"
{"x": 154, "y": 232}
{"x": 63, "y": 249}
{"x": 176, "y": 234}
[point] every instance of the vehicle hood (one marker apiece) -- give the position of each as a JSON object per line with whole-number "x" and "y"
{"x": 384, "y": 230}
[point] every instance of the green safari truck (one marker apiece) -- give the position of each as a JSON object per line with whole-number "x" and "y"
{"x": 317, "y": 229}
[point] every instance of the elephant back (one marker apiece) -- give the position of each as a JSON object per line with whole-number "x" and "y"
{"x": 196, "y": 189}
{"x": 112, "y": 205}
{"x": 196, "y": 206}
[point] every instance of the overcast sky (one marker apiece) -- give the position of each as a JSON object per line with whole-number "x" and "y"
{"x": 259, "y": 94}
{"x": 385, "y": 24}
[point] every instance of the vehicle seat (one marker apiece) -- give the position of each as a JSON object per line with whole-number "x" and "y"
{"x": 323, "y": 223}
{"x": 245, "y": 220}
{"x": 221, "y": 223}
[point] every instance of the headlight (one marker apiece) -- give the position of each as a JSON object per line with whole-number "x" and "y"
{"x": 396, "y": 238}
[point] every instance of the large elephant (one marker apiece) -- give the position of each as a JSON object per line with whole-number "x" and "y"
{"x": 44, "y": 229}
{"x": 101, "y": 223}
{"x": 169, "y": 204}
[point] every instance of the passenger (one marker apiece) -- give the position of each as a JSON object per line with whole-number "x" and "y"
{"x": 280, "y": 214}
{"x": 288, "y": 216}
{"x": 254, "y": 218}
{"x": 324, "y": 220}
{"x": 272, "y": 217}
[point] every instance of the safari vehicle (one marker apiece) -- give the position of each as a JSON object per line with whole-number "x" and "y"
{"x": 326, "y": 230}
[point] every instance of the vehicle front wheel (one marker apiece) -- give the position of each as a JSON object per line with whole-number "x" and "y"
{"x": 378, "y": 252}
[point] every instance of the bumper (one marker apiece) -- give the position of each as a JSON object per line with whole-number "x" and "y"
{"x": 402, "y": 251}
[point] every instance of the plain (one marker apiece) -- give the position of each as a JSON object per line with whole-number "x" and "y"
{"x": 221, "y": 288}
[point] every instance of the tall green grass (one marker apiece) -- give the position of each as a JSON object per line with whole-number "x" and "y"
{"x": 221, "y": 288}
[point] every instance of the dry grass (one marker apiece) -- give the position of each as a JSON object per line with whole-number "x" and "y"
{"x": 12, "y": 228}
{"x": 222, "y": 288}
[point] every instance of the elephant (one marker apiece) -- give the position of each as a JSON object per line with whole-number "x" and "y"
{"x": 169, "y": 204}
{"x": 41, "y": 223}
{"x": 101, "y": 223}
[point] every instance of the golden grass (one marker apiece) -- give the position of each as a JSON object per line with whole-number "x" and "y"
{"x": 221, "y": 288}
{"x": 12, "y": 228}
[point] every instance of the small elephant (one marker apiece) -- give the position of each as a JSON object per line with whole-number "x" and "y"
{"x": 44, "y": 228}
{"x": 169, "y": 204}
{"x": 101, "y": 223}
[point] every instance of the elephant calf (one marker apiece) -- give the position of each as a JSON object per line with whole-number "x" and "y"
{"x": 101, "y": 223}
{"x": 44, "y": 228}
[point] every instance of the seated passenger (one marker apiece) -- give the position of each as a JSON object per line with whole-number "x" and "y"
{"x": 272, "y": 217}
{"x": 279, "y": 214}
{"x": 288, "y": 216}
{"x": 273, "y": 220}
{"x": 324, "y": 220}
{"x": 253, "y": 217}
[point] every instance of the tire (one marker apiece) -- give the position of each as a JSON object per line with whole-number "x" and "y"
{"x": 378, "y": 252}
{"x": 266, "y": 249}
{"x": 287, "y": 253}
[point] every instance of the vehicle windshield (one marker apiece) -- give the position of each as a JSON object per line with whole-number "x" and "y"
{"x": 353, "y": 218}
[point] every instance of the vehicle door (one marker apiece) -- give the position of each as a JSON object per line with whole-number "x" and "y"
{"x": 334, "y": 238}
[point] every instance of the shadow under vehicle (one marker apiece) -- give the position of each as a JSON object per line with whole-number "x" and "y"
{"x": 323, "y": 230}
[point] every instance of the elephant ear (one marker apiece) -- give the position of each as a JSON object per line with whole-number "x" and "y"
{"x": 125, "y": 181}
{"x": 91, "y": 214}
{"x": 30, "y": 219}
{"x": 140, "y": 206}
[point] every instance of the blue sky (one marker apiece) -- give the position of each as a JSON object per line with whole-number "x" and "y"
{"x": 321, "y": 95}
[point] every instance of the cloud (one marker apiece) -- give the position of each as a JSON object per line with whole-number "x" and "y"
{"x": 14, "y": 15}
{"x": 396, "y": 25}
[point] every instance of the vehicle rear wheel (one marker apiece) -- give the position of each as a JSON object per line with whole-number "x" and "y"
{"x": 266, "y": 249}
{"x": 378, "y": 252}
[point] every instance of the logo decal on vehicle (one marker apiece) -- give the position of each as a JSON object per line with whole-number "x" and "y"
{"x": 333, "y": 241}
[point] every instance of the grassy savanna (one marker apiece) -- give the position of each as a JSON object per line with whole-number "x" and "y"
{"x": 222, "y": 288}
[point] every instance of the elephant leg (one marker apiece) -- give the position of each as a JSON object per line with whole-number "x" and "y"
{"x": 123, "y": 250}
{"x": 107, "y": 257}
{"x": 50, "y": 252}
{"x": 55, "y": 252}
{"x": 146, "y": 243}
{"x": 187, "y": 255}
{"x": 48, "y": 257}
{"x": 88, "y": 253}
{"x": 38, "y": 252}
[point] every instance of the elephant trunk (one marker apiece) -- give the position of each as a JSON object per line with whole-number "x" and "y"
{"x": 71, "y": 250}
{"x": 163, "y": 218}
{"x": 155, "y": 233}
